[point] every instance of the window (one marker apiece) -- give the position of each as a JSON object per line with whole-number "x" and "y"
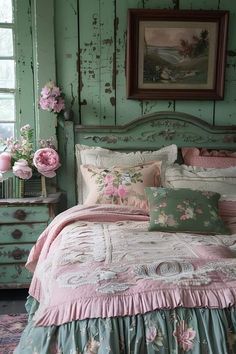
{"x": 7, "y": 69}
{"x": 27, "y": 62}
{"x": 17, "y": 105}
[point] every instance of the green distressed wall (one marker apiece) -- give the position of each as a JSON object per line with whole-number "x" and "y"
{"x": 90, "y": 38}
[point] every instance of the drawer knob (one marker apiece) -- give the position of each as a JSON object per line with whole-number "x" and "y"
{"x": 18, "y": 254}
{"x": 16, "y": 234}
{"x": 20, "y": 214}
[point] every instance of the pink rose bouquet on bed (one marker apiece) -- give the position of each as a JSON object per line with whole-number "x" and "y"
{"x": 51, "y": 98}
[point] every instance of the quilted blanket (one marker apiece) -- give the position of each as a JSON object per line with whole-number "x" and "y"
{"x": 101, "y": 261}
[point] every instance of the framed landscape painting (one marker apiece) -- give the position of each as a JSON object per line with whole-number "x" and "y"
{"x": 176, "y": 54}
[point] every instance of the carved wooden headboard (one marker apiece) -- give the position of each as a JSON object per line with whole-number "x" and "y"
{"x": 149, "y": 132}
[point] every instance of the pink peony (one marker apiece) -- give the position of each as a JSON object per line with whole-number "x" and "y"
{"x": 22, "y": 170}
{"x": 51, "y": 98}
{"x": 5, "y": 162}
{"x": 184, "y": 336}
{"x": 59, "y": 105}
{"x": 46, "y": 161}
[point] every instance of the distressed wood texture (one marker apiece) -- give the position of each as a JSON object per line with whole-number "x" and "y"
{"x": 23, "y": 232}
{"x": 14, "y": 276}
{"x": 44, "y": 62}
{"x": 225, "y": 112}
{"x": 97, "y": 61}
{"x": 24, "y": 65}
{"x": 66, "y": 43}
{"x": 101, "y": 43}
{"x": 159, "y": 129}
{"x": 22, "y": 221}
{"x": 22, "y": 213}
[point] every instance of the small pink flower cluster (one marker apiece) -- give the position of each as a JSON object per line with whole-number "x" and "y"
{"x": 111, "y": 190}
{"x": 51, "y": 98}
{"x": 21, "y": 159}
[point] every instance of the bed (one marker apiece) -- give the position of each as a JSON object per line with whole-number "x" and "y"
{"x": 109, "y": 275}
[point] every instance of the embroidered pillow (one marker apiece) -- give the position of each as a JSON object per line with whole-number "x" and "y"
{"x": 184, "y": 210}
{"x": 100, "y": 157}
{"x": 120, "y": 185}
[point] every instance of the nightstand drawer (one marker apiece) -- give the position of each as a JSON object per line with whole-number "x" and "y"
{"x": 21, "y": 233}
{"x": 14, "y": 276}
{"x": 21, "y": 213}
{"x": 15, "y": 253}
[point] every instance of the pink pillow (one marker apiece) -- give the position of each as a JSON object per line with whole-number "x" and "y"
{"x": 121, "y": 185}
{"x": 208, "y": 159}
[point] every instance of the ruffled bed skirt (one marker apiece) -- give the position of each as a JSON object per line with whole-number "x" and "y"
{"x": 178, "y": 331}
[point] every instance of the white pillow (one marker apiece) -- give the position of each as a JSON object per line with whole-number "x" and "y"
{"x": 99, "y": 157}
{"x": 221, "y": 180}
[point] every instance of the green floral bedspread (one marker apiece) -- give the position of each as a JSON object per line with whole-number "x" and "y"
{"x": 176, "y": 331}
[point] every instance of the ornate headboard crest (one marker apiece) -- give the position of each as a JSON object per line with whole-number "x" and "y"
{"x": 159, "y": 129}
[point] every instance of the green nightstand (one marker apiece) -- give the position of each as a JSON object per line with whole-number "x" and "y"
{"x": 21, "y": 223}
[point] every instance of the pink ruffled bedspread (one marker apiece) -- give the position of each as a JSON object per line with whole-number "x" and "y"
{"x": 101, "y": 261}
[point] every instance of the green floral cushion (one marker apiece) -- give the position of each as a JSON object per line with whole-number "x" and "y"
{"x": 184, "y": 210}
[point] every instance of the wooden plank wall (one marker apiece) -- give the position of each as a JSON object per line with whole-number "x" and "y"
{"x": 90, "y": 57}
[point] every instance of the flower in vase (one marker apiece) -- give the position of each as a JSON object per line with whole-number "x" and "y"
{"x": 21, "y": 169}
{"x": 46, "y": 161}
{"x": 21, "y": 159}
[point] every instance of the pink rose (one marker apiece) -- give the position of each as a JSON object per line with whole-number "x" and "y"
{"x": 22, "y": 170}
{"x": 184, "y": 336}
{"x": 122, "y": 191}
{"x": 5, "y": 162}
{"x": 110, "y": 190}
{"x": 46, "y": 161}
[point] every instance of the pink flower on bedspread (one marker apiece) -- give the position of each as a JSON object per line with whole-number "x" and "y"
{"x": 184, "y": 336}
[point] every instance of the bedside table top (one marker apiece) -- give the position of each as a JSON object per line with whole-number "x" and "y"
{"x": 50, "y": 199}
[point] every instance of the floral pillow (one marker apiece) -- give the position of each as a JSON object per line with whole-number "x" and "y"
{"x": 184, "y": 210}
{"x": 120, "y": 185}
